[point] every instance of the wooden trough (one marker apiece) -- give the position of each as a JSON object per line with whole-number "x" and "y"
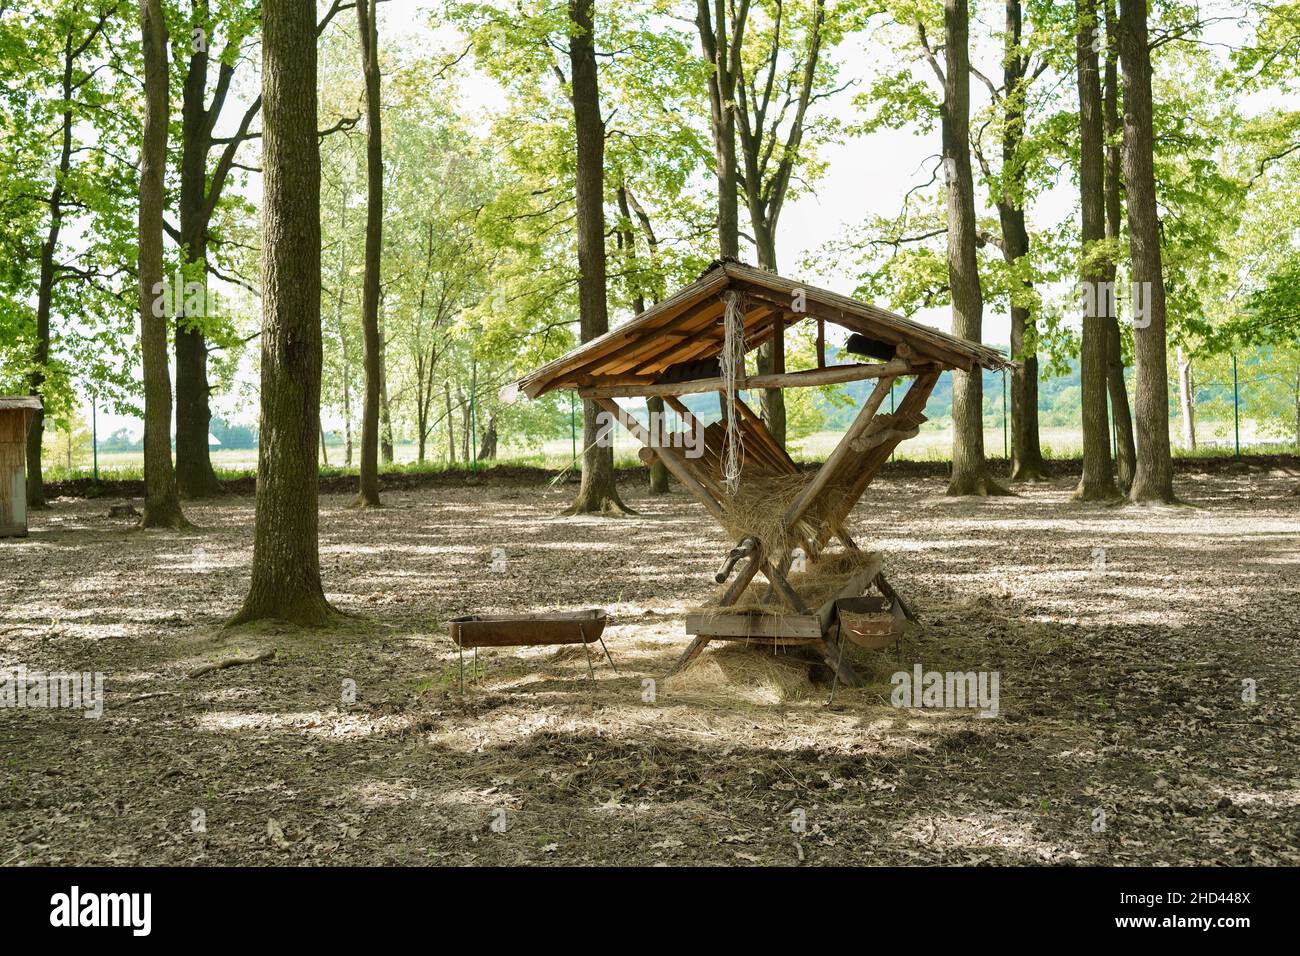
{"x": 16, "y": 413}
{"x": 679, "y": 347}
{"x": 529, "y": 630}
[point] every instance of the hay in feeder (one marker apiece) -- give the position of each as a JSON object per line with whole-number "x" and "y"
{"x": 759, "y": 505}
{"x": 818, "y": 583}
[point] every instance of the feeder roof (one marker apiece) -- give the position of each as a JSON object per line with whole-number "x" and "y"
{"x": 687, "y": 327}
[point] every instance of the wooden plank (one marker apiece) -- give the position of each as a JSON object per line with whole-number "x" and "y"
{"x": 831, "y": 375}
{"x": 740, "y": 625}
{"x": 13, "y": 488}
{"x": 756, "y": 424}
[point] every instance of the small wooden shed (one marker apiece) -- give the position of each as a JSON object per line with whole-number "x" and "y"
{"x": 781, "y": 517}
{"x": 16, "y": 415}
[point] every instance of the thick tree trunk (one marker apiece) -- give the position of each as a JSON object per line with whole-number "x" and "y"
{"x": 286, "y": 582}
{"x": 368, "y": 488}
{"x": 1098, "y": 480}
{"x": 1027, "y": 463}
{"x": 969, "y": 469}
{"x": 1154, "y": 477}
{"x": 597, "y": 492}
{"x": 1121, "y": 415}
{"x": 162, "y": 507}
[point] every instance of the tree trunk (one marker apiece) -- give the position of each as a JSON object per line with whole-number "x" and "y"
{"x": 345, "y": 372}
{"x": 368, "y": 489}
{"x": 969, "y": 469}
{"x": 195, "y": 476}
{"x": 1027, "y": 463}
{"x": 658, "y": 471}
{"x": 1121, "y": 416}
{"x": 597, "y": 493}
{"x": 1098, "y": 480}
{"x": 488, "y": 449}
{"x": 771, "y": 354}
{"x": 451, "y": 427}
{"x": 722, "y": 94}
{"x": 162, "y": 507}
{"x": 45, "y": 291}
{"x": 1187, "y": 400}
{"x": 385, "y": 410}
{"x": 1154, "y": 477}
{"x": 286, "y": 582}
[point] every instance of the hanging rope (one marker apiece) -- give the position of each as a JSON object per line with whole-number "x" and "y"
{"x": 732, "y": 365}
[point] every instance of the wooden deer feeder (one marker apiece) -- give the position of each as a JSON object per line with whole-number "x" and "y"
{"x": 15, "y": 419}
{"x": 696, "y": 342}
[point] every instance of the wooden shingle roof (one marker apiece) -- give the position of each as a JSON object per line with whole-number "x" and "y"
{"x": 687, "y": 327}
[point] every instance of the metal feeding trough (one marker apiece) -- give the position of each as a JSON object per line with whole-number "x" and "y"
{"x": 529, "y": 630}
{"x": 871, "y": 621}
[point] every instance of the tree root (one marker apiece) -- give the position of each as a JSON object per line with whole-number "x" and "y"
{"x": 230, "y": 662}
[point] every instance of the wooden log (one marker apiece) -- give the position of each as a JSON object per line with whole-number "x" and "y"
{"x": 832, "y": 375}
{"x": 831, "y": 466}
{"x": 869, "y": 463}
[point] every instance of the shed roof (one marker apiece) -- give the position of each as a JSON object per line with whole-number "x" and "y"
{"x": 10, "y": 402}
{"x": 687, "y": 327}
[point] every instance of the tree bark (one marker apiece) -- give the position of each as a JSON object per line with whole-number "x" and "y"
{"x": 969, "y": 469}
{"x": 724, "y": 56}
{"x": 1027, "y": 463}
{"x": 1153, "y": 478}
{"x": 654, "y": 404}
{"x": 162, "y": 507}
{"x": 1187, "y": 400}
{"x": 368, "y": 487}
{"x": 286, "y": 581}
{"x": 195, "y": 476}
{"x": 597, "y": 492}
{"x": 1121, "y": 416}
{"x": 1098, "y": 480}
{"x": 45, "y": 290}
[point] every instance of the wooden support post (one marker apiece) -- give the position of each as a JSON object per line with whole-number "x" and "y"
{"x": 832, "y": 464}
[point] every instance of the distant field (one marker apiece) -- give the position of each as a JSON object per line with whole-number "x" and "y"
{"x": 934, "y": 443}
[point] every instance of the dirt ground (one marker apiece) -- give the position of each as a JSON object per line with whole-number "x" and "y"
{"x": 1121, "y": 637}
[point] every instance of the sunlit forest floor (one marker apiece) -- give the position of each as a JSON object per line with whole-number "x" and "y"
{"x": 1121, "y": 690}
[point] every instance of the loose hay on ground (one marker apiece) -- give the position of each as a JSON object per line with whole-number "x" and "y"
{"x": 746, "y": 672}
